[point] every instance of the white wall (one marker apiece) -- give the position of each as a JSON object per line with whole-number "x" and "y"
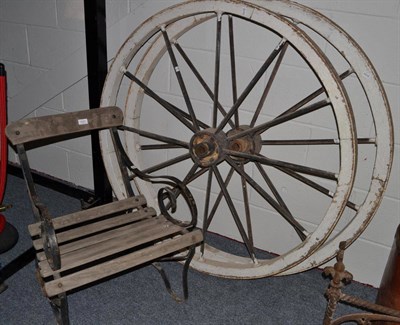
{"x": 43, "y": 48}
{"x": 42, "y": 44}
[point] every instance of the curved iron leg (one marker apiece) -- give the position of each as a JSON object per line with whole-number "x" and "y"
{"x": 59, "y": 305}
{"x": 185, "y": 270}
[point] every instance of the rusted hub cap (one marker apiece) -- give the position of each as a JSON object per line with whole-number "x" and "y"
{"x": 206, "y": 147}
{"x": 247, "y": 144}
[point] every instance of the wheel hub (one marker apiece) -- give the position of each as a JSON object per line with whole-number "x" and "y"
{"x": 247, "y": 144}
{"x": 207, "y": 146}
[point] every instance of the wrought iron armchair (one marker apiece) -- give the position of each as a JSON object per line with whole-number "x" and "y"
{"x": 81, "y": 248}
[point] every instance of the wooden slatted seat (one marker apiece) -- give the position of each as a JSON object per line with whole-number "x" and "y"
{"x": 83, "y": 247}
{"x": 107, "y": 235}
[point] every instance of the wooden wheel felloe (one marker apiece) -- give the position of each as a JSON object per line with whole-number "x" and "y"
{"x": 218, "y": 129}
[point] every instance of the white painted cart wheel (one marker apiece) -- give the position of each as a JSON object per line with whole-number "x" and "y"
{"x": 224, "y": 148}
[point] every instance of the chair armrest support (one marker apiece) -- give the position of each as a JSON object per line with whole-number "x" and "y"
{"x": 48, "y": 234}
{"x": 169, "y": 193}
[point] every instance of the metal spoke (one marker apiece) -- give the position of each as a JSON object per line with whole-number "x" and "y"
{"x": 154, "y": 136}
{"x": 246, "y": 207}
{"x": 218, "y": 200}
{"x": 269, "y": 85}
{"x": 288, "y": 217}
{"x": 190, "y": 174}
{"x": 251, "y": 84}
{"x": 175, "y": 111}
{"x": 196, "y": 175}
{"x": 278, "y": 163}
{"x": 315, "y": 94}
{"x": 166, "y": 163}
{"x": 275, "y": 192}
{"x": 233, "y": 66}
{"x": 315, "y": 186}
{"x": 206, "y": 207}
{"x": 308, "y": 142}
{"x": 217, "y": 70}
{"x": 180, "y": 78}
{"x": 234, "y": 213}
{"x": 201, "y": 80}
{"x": 281, "y": 119}
{"x": 185, "y": 181}
{"x": 159, "y": 146}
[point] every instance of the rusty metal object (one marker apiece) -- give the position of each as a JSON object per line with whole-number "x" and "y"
{"x": 365, "y": 319}
{"x": 206, "y": 147}
{"x": 389, "y": 290}
{"x": 340, "y": 277}
{"x": 250, "y": 144}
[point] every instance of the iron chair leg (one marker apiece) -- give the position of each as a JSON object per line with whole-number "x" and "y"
{"x": 59, "y": 306}
{"x": 185, "y": 270}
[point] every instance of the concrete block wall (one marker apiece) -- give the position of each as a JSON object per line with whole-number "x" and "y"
{"x": 42, "y": 43}
{"x": 43, "y": 49}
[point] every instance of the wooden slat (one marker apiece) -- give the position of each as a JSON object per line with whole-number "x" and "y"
{"x": 94, "y": 227}
{"x": 50, "y": 126}
{"x": 104, "y": 236}
{"x": 110, "y": 247}
{"x": 91, "y": 214}
{"x": 120, "y": 264}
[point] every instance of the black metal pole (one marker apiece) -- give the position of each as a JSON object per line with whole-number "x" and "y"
{"x": 96, "y": 54}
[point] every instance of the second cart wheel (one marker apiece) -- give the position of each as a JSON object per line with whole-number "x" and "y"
{"x": 217, "y": 129}
{"x": 372, "y": 119}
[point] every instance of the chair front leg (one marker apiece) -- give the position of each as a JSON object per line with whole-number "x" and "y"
{"x": 59, "y": 304}
{"x": 188, "y": 258}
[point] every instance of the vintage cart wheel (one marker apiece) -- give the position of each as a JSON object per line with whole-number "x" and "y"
{"x": 214, "y": 143}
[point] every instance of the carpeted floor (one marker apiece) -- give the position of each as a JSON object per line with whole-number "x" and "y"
{"x": 139, "y": 297}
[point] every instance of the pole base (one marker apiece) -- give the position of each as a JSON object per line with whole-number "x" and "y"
{"x": 8, "y": 237}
